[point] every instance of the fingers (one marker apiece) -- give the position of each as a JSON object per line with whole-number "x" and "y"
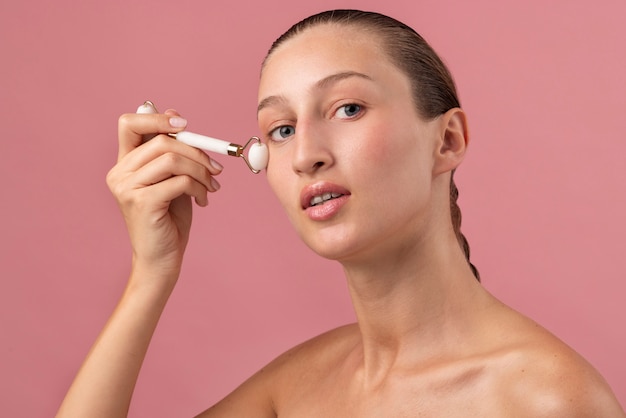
{"x": 132, "y": 191}
{"x": 171, "y": 164}
{"x": 162, "y": 165}
{"x": 173, "y": 174}
{"x": 132, "y": 126}
{"x": 172, "y": 188}
{"x": 166, "y": 167}
{"x": 161, "y": 145}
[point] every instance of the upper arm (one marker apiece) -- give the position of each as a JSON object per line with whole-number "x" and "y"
{"x": 563, "y": 384}
{"x": 257, "y": 396}
{"x": 253, "y": 398}
{"x": 266, "y": 392}
{"x": 589, "y": 402}
{"x": 585, "y": 394}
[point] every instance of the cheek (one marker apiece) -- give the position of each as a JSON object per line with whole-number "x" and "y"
{"x": 393, "y": 162}
{"x": 382, "y": 151}
{"x": 277, "y": 175}
{"x": 278, "y": 178}
{"x": 273, "y": 178}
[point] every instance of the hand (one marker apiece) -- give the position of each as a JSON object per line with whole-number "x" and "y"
{"x": 153, "y": 183}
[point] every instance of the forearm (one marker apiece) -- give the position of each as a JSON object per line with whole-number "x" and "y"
{"x": 104, "y": 385}
{"x": 154, "y": 183}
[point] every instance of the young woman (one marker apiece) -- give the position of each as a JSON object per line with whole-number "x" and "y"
{"x": 365, "y": 131}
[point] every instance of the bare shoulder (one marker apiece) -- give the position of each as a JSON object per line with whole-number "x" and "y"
{"x": 543, "y": 377}
{"x": 322, "y": 348}
{"x": 286, "y": 376}
{"x": 313, "y": 359}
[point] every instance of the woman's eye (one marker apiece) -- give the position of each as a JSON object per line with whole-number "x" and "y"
{"x": 282, "y": 132}
{"x": 348, "y": 111}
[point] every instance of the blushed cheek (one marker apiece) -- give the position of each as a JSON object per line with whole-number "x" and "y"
{"x": 378, "y": 148}
{"x": 394, "y": 160}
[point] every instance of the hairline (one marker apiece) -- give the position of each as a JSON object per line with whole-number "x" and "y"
{"x": 384, "y": 43}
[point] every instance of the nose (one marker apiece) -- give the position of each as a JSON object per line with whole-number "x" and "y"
{"x": 312, "y": 151}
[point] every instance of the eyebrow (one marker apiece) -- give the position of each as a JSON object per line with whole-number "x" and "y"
{"x": 321, "y": 84}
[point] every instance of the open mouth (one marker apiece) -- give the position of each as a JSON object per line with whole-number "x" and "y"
{"x": 321, "y": 192}
{"x": 321, "y": 199}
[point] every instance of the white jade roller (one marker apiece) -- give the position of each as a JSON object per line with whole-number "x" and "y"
{"x": 257, "y": 154}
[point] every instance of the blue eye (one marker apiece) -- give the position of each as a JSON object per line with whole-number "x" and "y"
{"x": 282, "y": 132}
{"x": 348, "y": 111}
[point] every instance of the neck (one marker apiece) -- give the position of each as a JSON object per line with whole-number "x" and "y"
{"x": 413, "y": 304}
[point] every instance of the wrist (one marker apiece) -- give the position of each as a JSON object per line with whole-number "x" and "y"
{"x": 158, "y": 276}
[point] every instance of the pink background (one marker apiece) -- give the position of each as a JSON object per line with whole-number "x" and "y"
{"x": 542, "y": 189}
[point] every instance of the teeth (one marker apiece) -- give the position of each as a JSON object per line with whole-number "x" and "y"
{"x": 323, "y": 198}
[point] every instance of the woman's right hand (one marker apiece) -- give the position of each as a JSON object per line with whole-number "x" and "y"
{"x": 153, "y": 183}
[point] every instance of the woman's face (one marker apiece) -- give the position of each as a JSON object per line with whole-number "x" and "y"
{"x": 350, "y": 159}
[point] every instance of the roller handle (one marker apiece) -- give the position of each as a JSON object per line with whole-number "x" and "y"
{"x": 257, "y": 153}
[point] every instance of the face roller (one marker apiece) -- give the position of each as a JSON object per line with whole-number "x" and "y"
{"x": 257, "y": 153}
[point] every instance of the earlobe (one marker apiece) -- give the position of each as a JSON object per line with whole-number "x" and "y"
{"x": 454, "y": 138}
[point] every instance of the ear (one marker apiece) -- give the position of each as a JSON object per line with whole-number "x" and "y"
{"x": 453, "y": 141}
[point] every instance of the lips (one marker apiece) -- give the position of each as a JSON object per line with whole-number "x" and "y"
{"x": 322, "y": 201}
{"x": 319, "y": 193}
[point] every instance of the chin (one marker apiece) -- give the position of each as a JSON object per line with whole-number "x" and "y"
{"x": 337, "y": 248}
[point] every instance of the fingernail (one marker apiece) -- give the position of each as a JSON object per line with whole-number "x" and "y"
{"x": 216, "y": 165}
{"x": 202, "y": 201}
{"x": 215, "y": 184}
{"x": 178, "y": 122}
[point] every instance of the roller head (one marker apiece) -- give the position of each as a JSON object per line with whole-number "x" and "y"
{"x": 147, "y": 107}
{"x": 258, "y": 156}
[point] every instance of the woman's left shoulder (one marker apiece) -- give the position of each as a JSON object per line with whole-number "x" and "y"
{"x": 546, "y": 378}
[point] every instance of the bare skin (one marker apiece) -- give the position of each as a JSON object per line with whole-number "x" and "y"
{"x": 429, "y": 342}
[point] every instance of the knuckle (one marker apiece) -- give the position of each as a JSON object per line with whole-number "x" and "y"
{"x": 124, "y": 120}
{"x": 132, "y": 199}
{"x": 118, "y": 191}
{"x": 116, "y": 186}
{"x": 171, "y": 158}
{"x": 199, "y": 155}
{"x": 186, "y": 181}
{"x": 110, "y": 179}
{"x": 113, "y": 179}
{"x": 162, "y": 142}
